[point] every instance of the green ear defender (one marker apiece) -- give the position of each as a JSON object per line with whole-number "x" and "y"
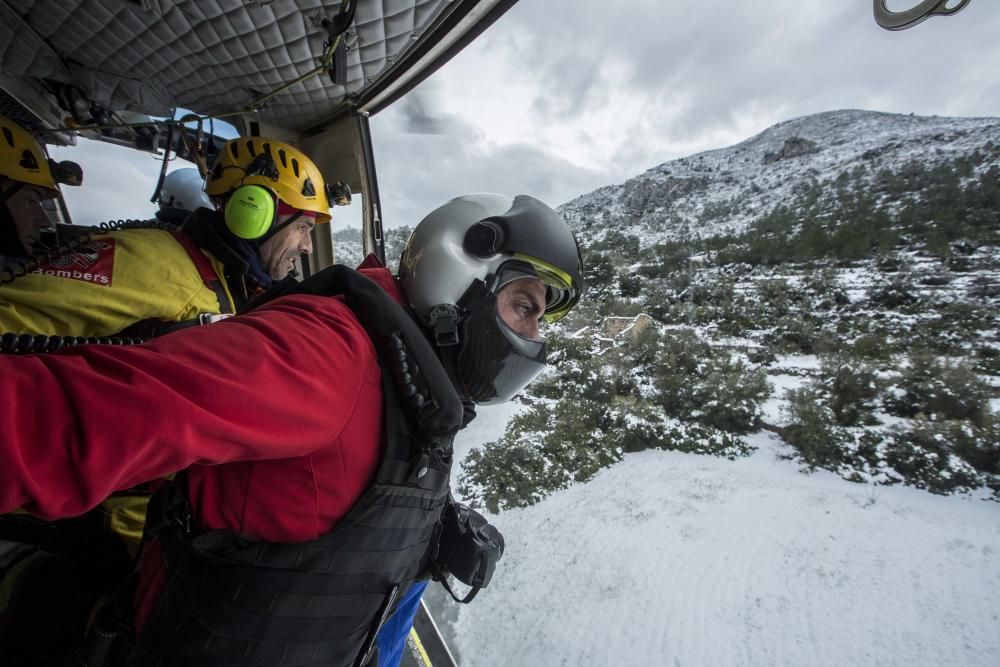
{"x": 250, "y": 212}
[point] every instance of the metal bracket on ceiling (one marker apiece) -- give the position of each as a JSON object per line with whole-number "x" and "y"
{"x": 908, "y": 18}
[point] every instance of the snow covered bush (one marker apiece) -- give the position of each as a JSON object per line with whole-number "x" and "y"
{"x": 554, "y": 445}
{"x": 800, "y": 333}
{"x": 697, "y": 383}
{"x": 603, "y": 403}
{"x": 812, "y": 428}
{"x": 851, "y": 389}
{"x": 825, "y": 289}
{"x": 729, "y": 394}
{"x": 927, "y": 455}
{"x": 897, "y": 292}
{"x": 940, "y": 390}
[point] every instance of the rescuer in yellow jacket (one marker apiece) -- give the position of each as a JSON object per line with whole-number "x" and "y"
{"x": 134, "y": 280}
{"x": 28, "y": 179}
{"x": 143, "y": 282}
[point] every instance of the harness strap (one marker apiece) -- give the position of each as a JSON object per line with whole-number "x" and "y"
{"x": 208, "y": 275}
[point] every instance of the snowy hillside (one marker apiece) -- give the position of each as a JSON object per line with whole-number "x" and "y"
{"x": 770, "y": 434}
{"x": 723, "y": 191}
{"x": 677, "y": 559}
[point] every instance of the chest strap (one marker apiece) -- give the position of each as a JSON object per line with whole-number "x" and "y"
{"x": 205, "y": 270}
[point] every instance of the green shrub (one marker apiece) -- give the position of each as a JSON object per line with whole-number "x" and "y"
{"x": 696, "y": 383}
{"x": 763, "y": 356}
{"x": 798, "y": 333}
{"x": 545, "y": 449}
{"x": 851, "y": 387}
{"x": 812, "y": 428}
{"x": 700, "y": 439}
{"x": 940, "y": 390}
{"x": 677, "y": 363}
{"x": 871, "y": 346}
{"x": 729, "y": 394}
{"x": 987, "y": 360}
{"x": 979, "y": 446}
{"x": 552, "y": 446}
{"x": 775, "y": 295}
{"x": 825, "y": 289}
{"x": 923, "y": 456}
{"x": 630, "y": 285}
{"x": 896, "y": 293}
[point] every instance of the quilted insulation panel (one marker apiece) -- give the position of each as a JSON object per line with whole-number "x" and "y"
{"x": 209, "y": 56}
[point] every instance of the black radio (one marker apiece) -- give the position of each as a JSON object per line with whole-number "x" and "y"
{"x": 468, "y": 549}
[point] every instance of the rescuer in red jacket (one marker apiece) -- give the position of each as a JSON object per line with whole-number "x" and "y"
{"x": 277, "y": 418}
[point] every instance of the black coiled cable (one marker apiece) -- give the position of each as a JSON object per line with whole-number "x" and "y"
{"x": 115, "y": 225}
{"x": 12, "y": 343}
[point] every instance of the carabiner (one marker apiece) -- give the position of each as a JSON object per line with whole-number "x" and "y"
{"x": 891, "y": 20}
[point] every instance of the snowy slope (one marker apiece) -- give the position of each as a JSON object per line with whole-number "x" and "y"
{"x": 677, "y": 559}
{"x": 724, "y": 190}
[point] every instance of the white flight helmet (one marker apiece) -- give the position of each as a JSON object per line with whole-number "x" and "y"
{"x": 184, "y": 189}
{"x": 456, "y": 261}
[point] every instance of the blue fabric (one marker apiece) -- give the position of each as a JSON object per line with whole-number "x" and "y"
{"x": 392, "y": 637}
{"x": 251, "y": 254}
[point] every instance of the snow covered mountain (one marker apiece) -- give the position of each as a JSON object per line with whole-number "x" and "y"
{"x": 722, "y": 191}
{"x": 834, "y": 256}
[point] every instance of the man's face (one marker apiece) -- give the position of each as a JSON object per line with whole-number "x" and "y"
{"x": 521, "y": 304}
{"x": 30, "y": 218}
{"x": 282, "y": 251}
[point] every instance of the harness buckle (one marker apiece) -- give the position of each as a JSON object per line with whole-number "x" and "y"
{"x": 211, "y": 318}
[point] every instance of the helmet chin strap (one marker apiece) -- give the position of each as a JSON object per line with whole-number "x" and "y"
{"x": 445, "y": 337}
{"x": 277, "y": 228}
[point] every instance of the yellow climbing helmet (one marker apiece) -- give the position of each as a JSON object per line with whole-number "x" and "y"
{"x": 22, "y": 158}
{"x": 278, "y": 167}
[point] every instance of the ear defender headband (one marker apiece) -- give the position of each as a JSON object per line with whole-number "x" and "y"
{"x": 250, "y": 212}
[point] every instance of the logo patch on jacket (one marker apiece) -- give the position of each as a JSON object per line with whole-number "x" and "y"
{"x": 91, "y": 263}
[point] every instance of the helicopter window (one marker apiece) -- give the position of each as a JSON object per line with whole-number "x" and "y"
{"x": 250, "y": 147}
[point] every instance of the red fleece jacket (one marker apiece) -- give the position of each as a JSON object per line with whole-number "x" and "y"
{"x": 276, "y": 414}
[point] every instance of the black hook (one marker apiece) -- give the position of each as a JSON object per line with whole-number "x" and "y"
{"x": 891, "y": 20}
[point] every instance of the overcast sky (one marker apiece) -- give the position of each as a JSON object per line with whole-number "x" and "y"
{"x": 560, "y": 97}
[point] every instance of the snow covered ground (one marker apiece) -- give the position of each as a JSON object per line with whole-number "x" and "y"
{"x": 678, "y": 559}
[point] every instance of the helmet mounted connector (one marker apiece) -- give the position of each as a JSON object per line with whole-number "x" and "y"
{"x": 444, "y": 322}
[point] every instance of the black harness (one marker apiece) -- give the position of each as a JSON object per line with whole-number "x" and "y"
{"x": 232, "y": 600}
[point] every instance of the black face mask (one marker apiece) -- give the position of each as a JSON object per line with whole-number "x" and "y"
{"x": 494, "y": 362}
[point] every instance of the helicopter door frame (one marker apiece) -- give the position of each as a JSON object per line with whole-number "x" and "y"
{"x": 372, "y": 236}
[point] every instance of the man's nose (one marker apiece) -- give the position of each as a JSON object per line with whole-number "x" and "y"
{"x": 533, "y": 330}
{"x": 306, "y": 246}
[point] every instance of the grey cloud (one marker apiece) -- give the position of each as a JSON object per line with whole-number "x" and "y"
{"x": 694, "y": 70}
{"x": 723, "y": 60}
{"x": 439, "y": 167}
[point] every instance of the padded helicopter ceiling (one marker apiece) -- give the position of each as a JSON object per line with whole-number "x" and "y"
{"x": 208, "y": 56}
